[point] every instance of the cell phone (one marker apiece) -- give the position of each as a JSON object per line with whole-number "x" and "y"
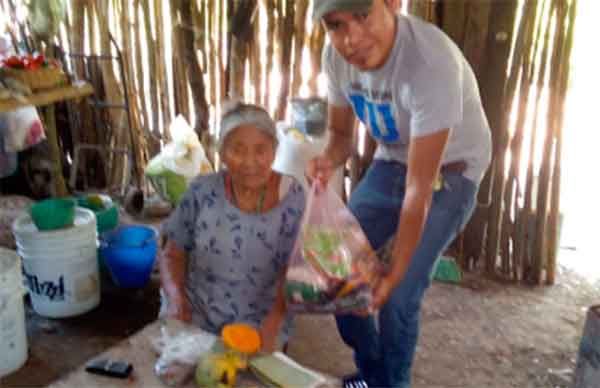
{"x": 110, "y": 368}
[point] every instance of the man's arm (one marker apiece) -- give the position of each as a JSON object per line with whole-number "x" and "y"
{"x": 341, "y": 125}
{"x": 424, "y": 159}
{"x": 341, "y": 121}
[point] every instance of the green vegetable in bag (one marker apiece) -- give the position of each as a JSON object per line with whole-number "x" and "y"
{"x": 324, "y": 249}
{"x": 169, "y": 185}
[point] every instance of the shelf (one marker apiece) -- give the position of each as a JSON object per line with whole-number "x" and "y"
{"x": 46, "y": 97}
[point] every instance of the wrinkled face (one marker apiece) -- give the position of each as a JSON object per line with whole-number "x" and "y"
{"x": 365, "y": 40}
{"x": 249, "y": 153}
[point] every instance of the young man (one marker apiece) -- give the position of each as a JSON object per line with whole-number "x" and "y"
{"x": 414, "y": 91}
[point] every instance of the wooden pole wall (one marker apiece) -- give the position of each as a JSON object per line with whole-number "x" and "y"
{"x": 187, "y": 56}
{"x": 514, "y": 232}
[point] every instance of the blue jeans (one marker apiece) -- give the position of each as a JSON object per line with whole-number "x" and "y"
{"x": 384, "y": 351}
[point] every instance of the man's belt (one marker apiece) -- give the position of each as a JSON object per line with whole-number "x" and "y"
{"x": 457, "y": 167}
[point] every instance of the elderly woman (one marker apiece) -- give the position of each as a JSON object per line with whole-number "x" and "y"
{"x": 229, "y": 240}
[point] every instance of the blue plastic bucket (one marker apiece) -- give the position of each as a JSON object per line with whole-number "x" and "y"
{"x": 129, "y": 253}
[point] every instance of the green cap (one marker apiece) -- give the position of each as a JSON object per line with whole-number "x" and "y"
{"x": 323, "y": 7}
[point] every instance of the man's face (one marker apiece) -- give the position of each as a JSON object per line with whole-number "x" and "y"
{"x": 365, "y": 40}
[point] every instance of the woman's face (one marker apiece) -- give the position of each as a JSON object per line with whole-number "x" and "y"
{"x": 249, "y": 153}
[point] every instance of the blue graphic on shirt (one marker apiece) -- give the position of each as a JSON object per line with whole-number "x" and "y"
{"x": 389, "y": 133}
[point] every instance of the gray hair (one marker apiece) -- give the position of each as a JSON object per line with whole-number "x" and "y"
{"x": 236, "y": 114}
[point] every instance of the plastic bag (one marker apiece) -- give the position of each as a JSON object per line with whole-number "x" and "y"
{"x": 178, "y": 163}
{"x": 179, "y": 353}
{"x": 333, "y": 267}
{"x": 21, "y": 129}
{"x": 296, "y": 149}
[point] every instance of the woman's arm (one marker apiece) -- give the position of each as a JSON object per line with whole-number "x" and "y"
{"x": 172, "y": 265}
{"x": 271, "y": 324}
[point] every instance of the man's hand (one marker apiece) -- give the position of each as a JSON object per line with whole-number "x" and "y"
{"x": 382, "y": 292}
{"x": 339, "y": 148}
{"x": 319, "y": 169}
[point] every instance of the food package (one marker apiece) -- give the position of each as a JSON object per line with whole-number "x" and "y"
{"x": 333, "y": 268}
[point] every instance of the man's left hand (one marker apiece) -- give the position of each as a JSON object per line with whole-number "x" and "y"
{"x": 382, "y": 292}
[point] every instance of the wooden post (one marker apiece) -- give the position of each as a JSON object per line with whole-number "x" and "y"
{"x": 285, "y": 40}
{"x": 587, "y": 371}
{"x": 193, "y": 69}
{"x": 496, "y": 91}
{"x": 540, "y": 242}
{"x": 60, "y": 187}
{"x": 299, "y": 36}
{"x": 557, "y": 127}
{"x": 241, "y": 35}
{"x": 152, "y": 67}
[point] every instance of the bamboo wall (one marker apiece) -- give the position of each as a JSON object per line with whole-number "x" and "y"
{"x": 187, "y": 56}
{"x": 524, "y": 79}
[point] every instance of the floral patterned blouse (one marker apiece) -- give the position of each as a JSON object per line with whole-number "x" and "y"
{"x": 234, "y": 258}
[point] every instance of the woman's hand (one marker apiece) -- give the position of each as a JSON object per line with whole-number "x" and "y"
{"x": 269, "y": 331}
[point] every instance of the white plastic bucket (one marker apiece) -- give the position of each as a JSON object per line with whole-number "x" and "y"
{"x": 52, "y": 252}
{"x": 296, "y": 150}
{"x": 68, "y": 241}
{"x": 13, "y": 339}
{"x": 63, "y": 287}
{"x": 26, "y": 232}
{"x": 61, "y": 266}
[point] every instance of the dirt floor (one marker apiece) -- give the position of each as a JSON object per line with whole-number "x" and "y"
{"x": 478, "y": 334}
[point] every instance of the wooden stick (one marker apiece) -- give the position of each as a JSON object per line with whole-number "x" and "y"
{"x": 286, "y": 40}
{"x": 241, "y": 34}
{"x": 224, "y": 42}
{"x": 270, "y": 7}
{"x": 317, "y": 40}
{"x": 113, "y": 90}
{"x": 212, "y": 53}
{"x": 256, "y": 69}
{"x": 152, "y": 69}
{"x": 524, "y": 214}
{"x": 512, "y": 184}
{"x": 501, "y": 143}
{"x": 180, "y": 84}
{"x": 139, "y": 73}
{"x": 542, "y": 208}
{"x": 161, "y": 70}
{"x": 192, "y": 67}
{"x": 299, "y": 44}
{"x": 553, "y": 220}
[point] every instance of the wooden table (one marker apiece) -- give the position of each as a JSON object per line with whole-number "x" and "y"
{"x": 48, "y": 98}
{"x": 138, "y": 350}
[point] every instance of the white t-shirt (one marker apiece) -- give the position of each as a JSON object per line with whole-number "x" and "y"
{"x": 426, "y": 85}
